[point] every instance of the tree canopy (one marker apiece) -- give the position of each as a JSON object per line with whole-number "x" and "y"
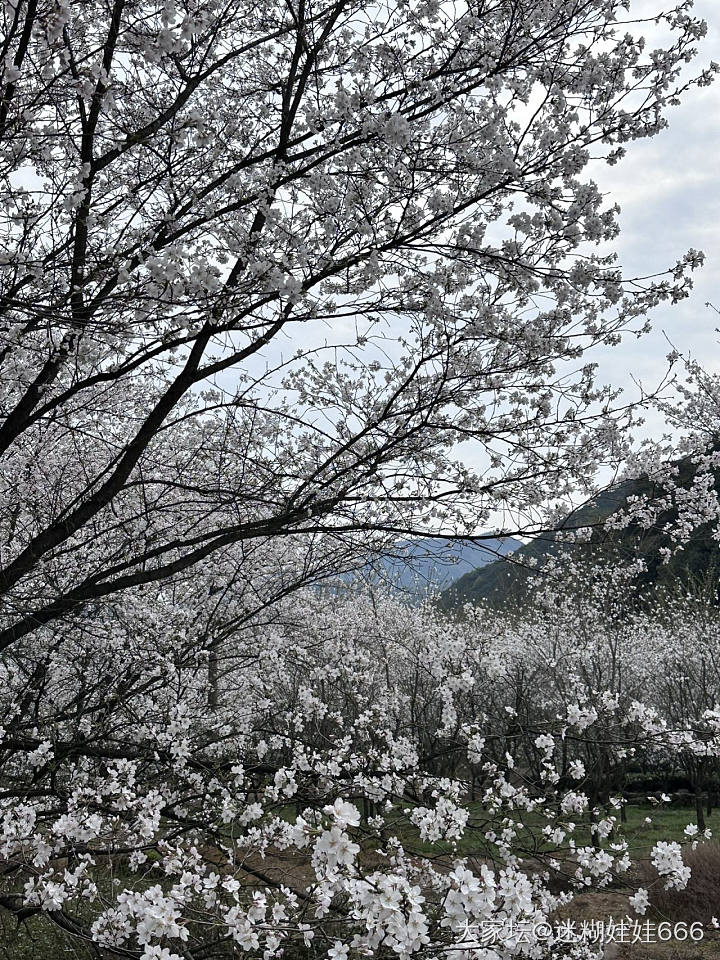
{"x": 263, "y": 266}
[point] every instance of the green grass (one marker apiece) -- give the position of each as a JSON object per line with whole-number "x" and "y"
{"x": 667, "y": 823}
{"x": 38, "y": 939}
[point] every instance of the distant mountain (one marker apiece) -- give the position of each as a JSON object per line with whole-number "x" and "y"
{"x": 507, "y": 581}
{"x": 429, "y": 565}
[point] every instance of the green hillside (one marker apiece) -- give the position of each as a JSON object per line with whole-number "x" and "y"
{"x": 508, "y": 581}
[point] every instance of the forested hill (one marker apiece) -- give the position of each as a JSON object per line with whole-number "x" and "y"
{"x": 426, "y": 566}
{"x": 507, "y": 581}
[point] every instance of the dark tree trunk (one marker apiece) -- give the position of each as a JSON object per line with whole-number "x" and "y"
{"x": 699, "y": 812}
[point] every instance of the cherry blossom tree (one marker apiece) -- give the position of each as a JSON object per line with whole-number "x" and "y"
{"x": 324, "y": 802}
{"x": 263, "y": 268}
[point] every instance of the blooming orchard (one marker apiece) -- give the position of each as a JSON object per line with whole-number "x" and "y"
{"x": 262, "y": 267}
{"x": 370, "y": 778}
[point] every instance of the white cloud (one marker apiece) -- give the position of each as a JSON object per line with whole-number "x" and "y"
{"x": 667, "y": 188}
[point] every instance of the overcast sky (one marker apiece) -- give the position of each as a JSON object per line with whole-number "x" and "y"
{"x": 669, "y": 191}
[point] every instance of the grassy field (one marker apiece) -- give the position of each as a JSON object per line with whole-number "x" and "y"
{"x": 37, "y": 939}
{"x": 666, "y": 823}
